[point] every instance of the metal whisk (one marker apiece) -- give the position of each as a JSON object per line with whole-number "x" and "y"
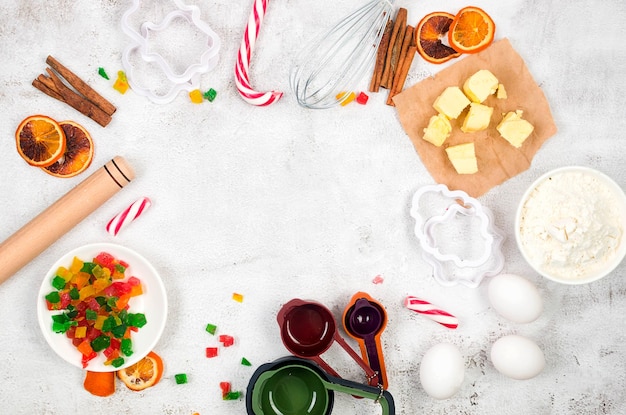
{"x": 332, "y": 65}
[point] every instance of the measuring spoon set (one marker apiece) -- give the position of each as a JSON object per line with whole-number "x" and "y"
{"x": 305, "y": 383}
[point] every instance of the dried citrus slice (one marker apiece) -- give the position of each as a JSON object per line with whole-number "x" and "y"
{"x": 143, "y": 374}
{"x": 40, "y": 140}
{"x": 472, "y": 30}
{"x": 78, "y": 151}
{"x": 430, "y": 31}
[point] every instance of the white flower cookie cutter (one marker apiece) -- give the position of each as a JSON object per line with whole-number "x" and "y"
{"x": 176, "y": 82}
{"x": 457, "y": 236}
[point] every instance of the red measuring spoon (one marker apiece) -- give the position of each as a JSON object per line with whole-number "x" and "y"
{"x": 308, "y": 329}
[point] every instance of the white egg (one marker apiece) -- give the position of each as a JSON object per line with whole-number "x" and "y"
{"x": 515, "y": 298}
{"x": 517, "y": 357}
{"x": 442, "y": 371}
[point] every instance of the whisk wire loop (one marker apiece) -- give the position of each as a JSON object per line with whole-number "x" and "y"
{"x": 332, "y": 65}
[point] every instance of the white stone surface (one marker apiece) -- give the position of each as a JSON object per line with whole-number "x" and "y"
{"x": 285, "y": 202}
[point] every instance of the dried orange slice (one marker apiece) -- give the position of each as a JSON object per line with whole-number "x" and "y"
{"x": 472, "y": 30}
{"x": 429, "y": 32}
{"x": 40, "y": 140}
{"x": 143, "y": 374}
{"x": 78, "y": 152}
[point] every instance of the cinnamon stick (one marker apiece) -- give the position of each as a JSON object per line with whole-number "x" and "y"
{"x": 81, "y": 86}
{"x": 79, "y": 103}
{"x": 46, "y": 89}
{"x": 403, "y": 72}
{"x": 397, "y": 34}
{"x": 380, "y": 57}
{"x": 406, "y": 42}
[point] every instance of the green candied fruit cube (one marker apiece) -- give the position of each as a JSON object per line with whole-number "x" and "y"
{"x": 245, "y": 362}
{"x": 74, "y": 293}
{"x": 136, "y": 320}
{"x": 117, "y": 362}
{"x": 90, "y": 314}
{"x": 126, "y": 346}
{"x": 59, "y": 327}
{"x": 103, "y": 74}
{"x": 211, "y": 328}
{"x": 87, "y": 267}
{"x": 180, "y": 378}
{"x": 58, "y": 282}
{"x": 100, "y": 343}
{"x": 53, "y": 297}
{"x": 210, "y": 94}
{"x": 232, "y": 396}
{"x": 118, "y": 331}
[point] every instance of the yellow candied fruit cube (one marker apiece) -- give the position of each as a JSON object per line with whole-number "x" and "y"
{"x": 196, "y": 96}
{"x": 99, "y": 321}
{"x": 64, "y": 273}
{"x": 238, "y": 297}
{"x": 80, "y": 279}
{"x": 86, "y": 292}
{"x": 346, "y": 99}
{"x": 80, "y": 332}
{"x": 106, "y": 273}
{"x": 136, "y": 290}
{"x": 101, "y": 283}
{"x": 77, "y": 265}
{"x": 117, "y": 275}
{"x": 121, "y": 83}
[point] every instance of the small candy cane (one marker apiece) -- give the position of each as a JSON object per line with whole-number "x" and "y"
{"x": 242, "y": 65}
{"x": 132, "y": 212}
{"x": 424, "y": 307}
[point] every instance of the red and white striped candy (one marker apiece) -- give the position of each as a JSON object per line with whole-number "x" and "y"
{"x": 124, "y": 218}
{"x": 427, "y": 309}
{"x": 242, "y": 66}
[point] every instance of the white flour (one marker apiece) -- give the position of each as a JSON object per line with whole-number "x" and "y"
{"x": 571, "y": 225}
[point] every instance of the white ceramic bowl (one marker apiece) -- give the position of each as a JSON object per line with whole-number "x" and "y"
{"x": 570, "y": 225}
{"x": 153, "y": 303}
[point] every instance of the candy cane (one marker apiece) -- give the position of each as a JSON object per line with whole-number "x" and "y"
{"x": 424, "y": 307}
{"x": 132, "y": 212}
{"x": 242, "y": 65}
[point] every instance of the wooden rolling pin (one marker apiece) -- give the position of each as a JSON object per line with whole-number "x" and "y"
{"x": 51, "y": 224}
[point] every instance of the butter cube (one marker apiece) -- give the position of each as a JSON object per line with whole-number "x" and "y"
{"x": 514, "y": 129}
{"x": 463, "y": 158}
{"x": 438, "y": 129}
{"x": 479, "y": 86}
{"x": 477, "y": 118}
{"x": 451, "y": 102}
{"x": 501, "y": 92}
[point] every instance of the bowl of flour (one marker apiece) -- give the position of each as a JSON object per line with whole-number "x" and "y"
{"x": 570, "y": 225}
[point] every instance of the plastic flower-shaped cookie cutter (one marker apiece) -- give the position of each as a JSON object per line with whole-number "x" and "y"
{"x": 141, "y": 46}
{"x": 457, "y": 236}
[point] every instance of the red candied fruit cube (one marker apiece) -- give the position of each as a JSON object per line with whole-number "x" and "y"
{"x": 104, "y": 259}
{"x": 132, "y": 281}
{"x": 117, "y": 289}
{"x": 225, "y": 387}
{"x": 92, "y": 304}
{"x": 211, "y": 352}
{"x": 226, "y": 340}
{"x": 65, "y": 299}
{"x": 362, "y": 98}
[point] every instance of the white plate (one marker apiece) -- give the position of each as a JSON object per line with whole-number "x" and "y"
{"x": 153, "y": 303}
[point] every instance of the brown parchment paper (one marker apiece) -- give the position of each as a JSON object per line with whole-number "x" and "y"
{"x": 497, "y": 159}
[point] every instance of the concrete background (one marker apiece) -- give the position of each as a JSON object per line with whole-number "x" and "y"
{"x": 284, "y": 202}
